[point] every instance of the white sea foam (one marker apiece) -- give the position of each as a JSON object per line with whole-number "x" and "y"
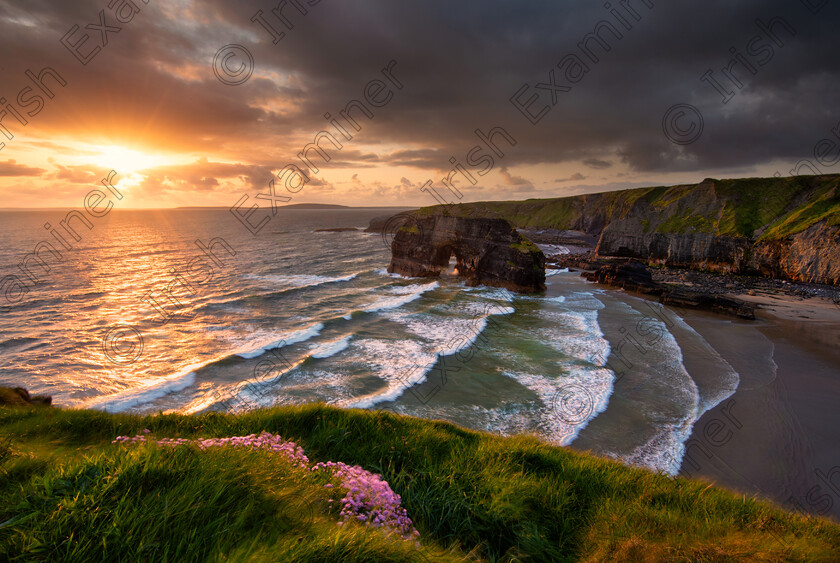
{"x": 400, "y": 295}
{"x": 576, "y": 335}
{"x": 665, "y": 450}
{"x": 130, "y": 398}
{"x": 204, "y": 402}
{"x": 729, "y": 378}
{"x": 329, "y": 386}
{"x": 444, "y": 335}
{"x": 384, "y": 272}
{"x": 498, "y": 293}
{"x": 185, "y": 378}
{"x": 571, "y": 400}
{"x": 553, "y": 249}
{"x": 404, "y": 363}
{"x": 258, "y": 345}
{"x": 576, "y": 332}
{"x": 554, "y": 299}
{"x": 580, "y": 388}
{"x": 328, "y": 349}
{"x": 504, "y": 420}
{"x": 282, "y": 282}
{"x": 399, "y": 363}
{"x": 553, "y": 272}
{"x": 479, "y": 308}
{"x": 658, "y": 368}
{"x": 495, "y": 293}
{"x": 246, "y": 394}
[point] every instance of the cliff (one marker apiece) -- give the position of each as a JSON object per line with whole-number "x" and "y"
{"x": 785, "y": 228}
{"x": 487, "y": 251}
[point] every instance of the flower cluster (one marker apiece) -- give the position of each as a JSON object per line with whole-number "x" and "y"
{"x": 264, "y": 441}
{"x": 131, "y": 439}
{"x": 369, "y": 499}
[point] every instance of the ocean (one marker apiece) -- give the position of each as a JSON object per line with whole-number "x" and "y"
{"x": 185, "y": 310}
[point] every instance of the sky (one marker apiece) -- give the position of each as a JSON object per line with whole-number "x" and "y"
{"x": 203, "y": 103}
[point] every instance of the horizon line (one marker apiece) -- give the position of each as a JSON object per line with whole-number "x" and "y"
{"x": 209, "y": 207}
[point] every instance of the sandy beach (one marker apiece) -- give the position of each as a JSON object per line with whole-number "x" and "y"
{"x": 776, "y": 437}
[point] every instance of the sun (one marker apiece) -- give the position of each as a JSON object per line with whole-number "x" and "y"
{"x": 127, "y": 161}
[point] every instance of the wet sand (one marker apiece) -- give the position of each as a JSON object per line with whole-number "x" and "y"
{"x": 778, "y": 436}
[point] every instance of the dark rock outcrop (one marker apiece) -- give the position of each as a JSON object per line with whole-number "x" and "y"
{"x": 487, "y": 251}
{"x": 812, "y": 255}
{"x": 689, "y": 250}
{"x": 389, "y": 224}
{"x": 554, "y": 237}
{"x": 632, "y": 276}
{"x": 18, "y": 396}
{"x": 635, "y": 276}
{"x": 707, "y": 302}
{"x": 783, "y": 228}
{"x": 377, "y": 224}
{"x": 576, "y": 261}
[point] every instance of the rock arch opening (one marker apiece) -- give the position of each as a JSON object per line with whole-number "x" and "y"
{"x": 485, "y": 251}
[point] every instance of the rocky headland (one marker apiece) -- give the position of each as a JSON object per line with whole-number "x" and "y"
{"x": 692, "y": 245}
{"x": 487, "y": 251}
{"x": 782, "y": 228}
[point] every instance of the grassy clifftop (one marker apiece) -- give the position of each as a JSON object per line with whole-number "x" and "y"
{"x": 753, "y": 208}
{"x": 68, "y": 494}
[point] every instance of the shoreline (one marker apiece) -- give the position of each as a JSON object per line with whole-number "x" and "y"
{"x": 775, "y": 437}
{"x": 784, "y": 445}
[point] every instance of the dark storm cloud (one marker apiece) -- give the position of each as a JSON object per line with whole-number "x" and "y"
{"x": 597, "y": 163}
{"x": 576, "y": 177}
{"x": 459, "y": 63}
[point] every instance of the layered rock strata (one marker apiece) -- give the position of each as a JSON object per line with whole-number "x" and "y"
{"x": 487, "y": 251}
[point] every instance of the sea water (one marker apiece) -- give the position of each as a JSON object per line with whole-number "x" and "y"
{"x": 141, "y": 317}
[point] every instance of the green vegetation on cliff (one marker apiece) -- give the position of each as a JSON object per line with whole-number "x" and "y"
{"x": 753, "y": 208}
{"x": 525, "y": 246}
{"x": 68, "y": 494}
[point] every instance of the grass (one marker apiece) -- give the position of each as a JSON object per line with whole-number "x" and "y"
{"x": 525, "y": 246}
{"x": 68, "y": 494}
{"x": 10, "y": 397}
{"x": 823, "y": 206}
{"x": 752, "y": 208}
